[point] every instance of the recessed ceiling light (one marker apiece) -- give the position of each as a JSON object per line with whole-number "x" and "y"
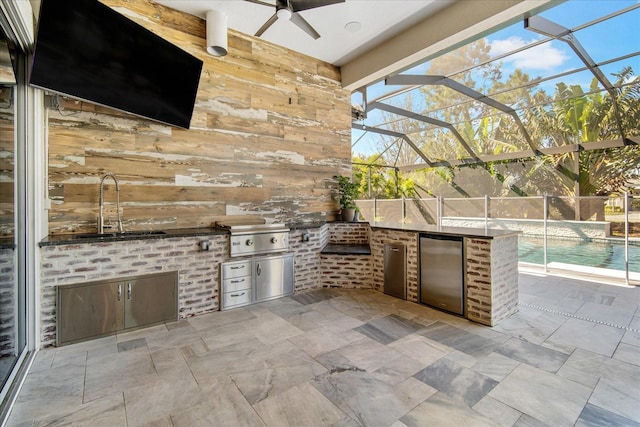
{"x": 353, "y": 27}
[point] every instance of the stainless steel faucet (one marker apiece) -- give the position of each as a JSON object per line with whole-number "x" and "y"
{"x": 101, "y": 214}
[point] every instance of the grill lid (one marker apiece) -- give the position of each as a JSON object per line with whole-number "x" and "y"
{"x": 252, "y": 227}
{"x": 256, "y": 237}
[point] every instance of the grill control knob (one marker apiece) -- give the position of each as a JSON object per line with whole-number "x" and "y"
{"x": 249, "y": 242}
{"x": 274, "y": 240}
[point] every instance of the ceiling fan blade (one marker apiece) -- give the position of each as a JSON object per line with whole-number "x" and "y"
{"x": 260, "y": 2}
{"x": 298, "y": 5}
{"x": 300, "y": 22}
{"x": 266, "y": 25}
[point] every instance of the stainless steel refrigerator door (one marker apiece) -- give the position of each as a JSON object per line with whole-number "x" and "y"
{"x": 395, "y": 270}
{"x": 442, "y": 274}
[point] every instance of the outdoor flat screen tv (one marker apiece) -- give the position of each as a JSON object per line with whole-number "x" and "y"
{"x": 88, "y": 51}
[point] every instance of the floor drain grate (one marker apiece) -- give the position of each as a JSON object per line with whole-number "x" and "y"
{"x": 548, "y": 310}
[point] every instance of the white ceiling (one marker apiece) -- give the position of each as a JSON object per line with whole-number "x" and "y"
{"x": 380, "y": 20}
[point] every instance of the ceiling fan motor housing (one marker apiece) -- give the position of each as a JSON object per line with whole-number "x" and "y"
{"x": 288, "y": 9}
{"x": 283, "y": 4}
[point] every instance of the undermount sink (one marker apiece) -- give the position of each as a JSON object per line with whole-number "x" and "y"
{"x": 123, "y": 234}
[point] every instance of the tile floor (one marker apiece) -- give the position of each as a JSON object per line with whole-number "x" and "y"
{"x": 570, "y": 356}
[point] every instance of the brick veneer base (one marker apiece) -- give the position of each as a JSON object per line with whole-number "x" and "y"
{"x": 306, "y": 257}
{"x": 198, "y": 272}
{"x": 492, "y": 279}
{"x": 492, "y": 273}
{"x": 380, "y": 236}
{"x": 346, "y": 271}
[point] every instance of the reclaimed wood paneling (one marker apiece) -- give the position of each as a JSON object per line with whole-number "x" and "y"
{"x": 7, "y": 159}
{"x": 270, "y": 129}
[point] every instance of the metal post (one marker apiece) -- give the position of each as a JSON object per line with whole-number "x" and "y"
{"x": 576, "y": 185}
{"x": 404, "y": 212}
{"x": 440, "y": 210}
{"x": 626, "y": 238}
{"x": 486, "y": 211}
{"x": 544, "y": 242}
{"x": 375, "y": 209}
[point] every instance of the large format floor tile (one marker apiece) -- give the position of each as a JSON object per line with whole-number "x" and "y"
{"x": 456, "y": 381}
{"x": 549, "y": 398}
{"x": 356, "y": 358}
{"x": 443, "y": 411}
{"x": 595, "y": 337}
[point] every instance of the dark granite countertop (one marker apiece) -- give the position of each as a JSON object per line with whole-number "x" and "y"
{"x": 346, "y": 249}
{"x": 447, "y": 231}
{"x": 79, "y": 238}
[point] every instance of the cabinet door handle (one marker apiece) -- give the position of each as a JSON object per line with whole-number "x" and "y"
{"x": 258, "y": 269}
{"x": 237, "y": 295}
{"x": 129, "y": 290}
{"x": 119, "y": 291}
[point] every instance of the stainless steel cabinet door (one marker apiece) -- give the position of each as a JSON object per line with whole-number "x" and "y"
{"x": 268, "y": 274}
{"x": 288, "y": 277}
{"x": 150, "y": 300}
{"x": 273, "y": 277}
{"x": 89, "y": 311}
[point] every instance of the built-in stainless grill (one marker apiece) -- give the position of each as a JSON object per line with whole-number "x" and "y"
{"x": 259, "y": 278}
{"x": 256, "y": 238}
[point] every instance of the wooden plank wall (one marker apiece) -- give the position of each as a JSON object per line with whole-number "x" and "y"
{"x": 7, "y": 161}
{"x": 270, "y": 129}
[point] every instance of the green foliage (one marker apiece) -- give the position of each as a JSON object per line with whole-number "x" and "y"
{"x": 376, "y": 180}
{"x": 348, "y": 192}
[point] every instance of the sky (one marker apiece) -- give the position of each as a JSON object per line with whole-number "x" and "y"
{"x": 621, "y": 37}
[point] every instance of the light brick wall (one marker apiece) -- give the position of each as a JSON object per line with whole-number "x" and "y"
{"x": 504, "y": 274}
{"x": 198, "y": 272}
{"x": 492, "y": 279}
{"x": 345, "y": 271}
{"x": 489, "y": 261}
{"x": 307, "y": 256}
{"x": 380, "y": 236}
{"x": 7, "y": 303}
{"x": 354, "y": 233}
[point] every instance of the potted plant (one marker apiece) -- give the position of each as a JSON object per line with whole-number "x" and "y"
{"x": 347, "y": 193}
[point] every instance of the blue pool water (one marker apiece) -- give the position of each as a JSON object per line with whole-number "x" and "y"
{"x": 588, "y": 253}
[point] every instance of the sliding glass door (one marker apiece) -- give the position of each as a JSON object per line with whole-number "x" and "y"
{"x": 17, "y": 244}
{"x": 12, "y": 301}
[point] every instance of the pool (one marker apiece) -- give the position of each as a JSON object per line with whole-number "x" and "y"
{"x": 599, "y": 254}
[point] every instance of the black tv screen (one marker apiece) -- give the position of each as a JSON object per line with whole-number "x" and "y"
{"x": 86, "y": 50}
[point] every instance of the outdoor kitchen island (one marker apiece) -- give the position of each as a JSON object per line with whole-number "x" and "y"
{"x": 490, "y": 265}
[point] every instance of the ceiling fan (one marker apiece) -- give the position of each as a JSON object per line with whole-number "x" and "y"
{"x": 288, "y": 10}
